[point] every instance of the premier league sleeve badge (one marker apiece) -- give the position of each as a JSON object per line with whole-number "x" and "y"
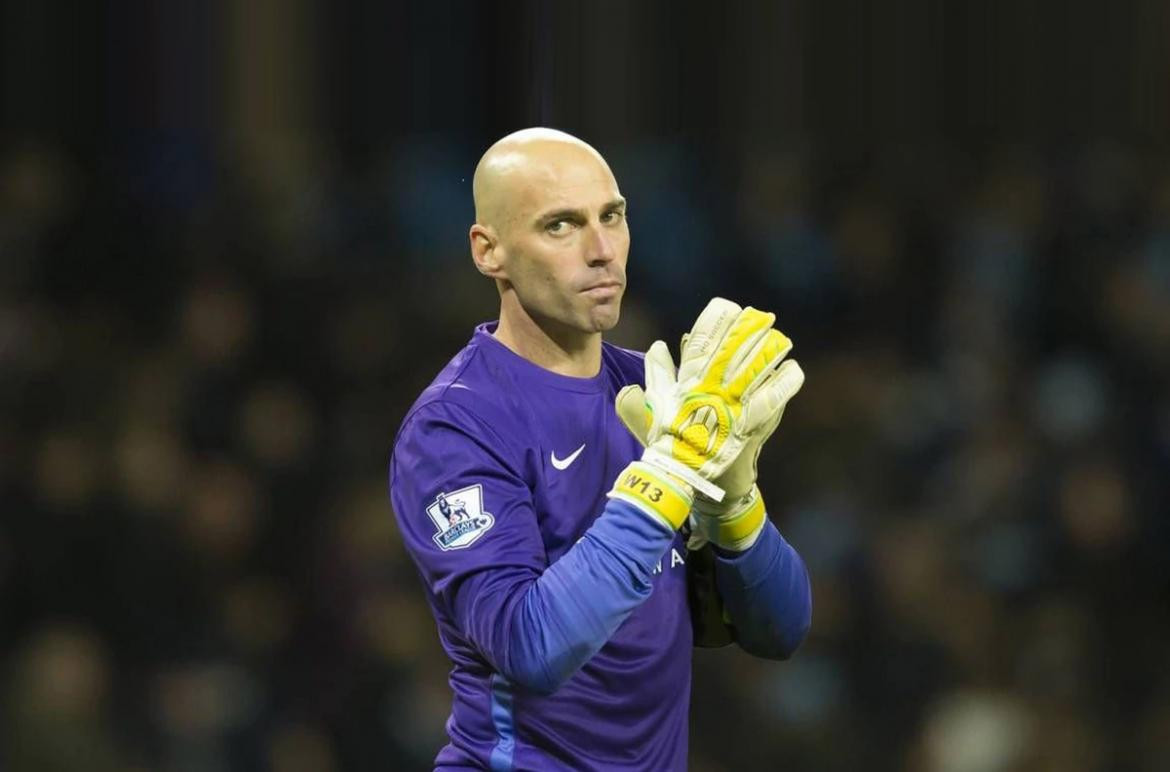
{"x": 459, "y": 517}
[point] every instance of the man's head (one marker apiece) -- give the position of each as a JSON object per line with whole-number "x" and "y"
{"x": 551, "y": 230}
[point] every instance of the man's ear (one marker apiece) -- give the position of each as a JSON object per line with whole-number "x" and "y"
{"x": 485, "y": 251}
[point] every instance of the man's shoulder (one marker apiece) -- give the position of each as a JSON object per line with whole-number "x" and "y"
{"x": 476, "y": 392}
{"x": 469, "y": 391}
{"x": 627, "y": 362}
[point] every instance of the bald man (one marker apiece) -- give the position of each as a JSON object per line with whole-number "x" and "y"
{"x": 569, "y": 614}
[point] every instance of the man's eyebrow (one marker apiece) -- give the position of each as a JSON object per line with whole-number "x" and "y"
{"x": 561, "y": 214}
{"x": 578, "y": 214}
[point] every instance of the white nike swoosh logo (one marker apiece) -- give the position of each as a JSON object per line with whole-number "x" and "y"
{"x": 563, "y": 463}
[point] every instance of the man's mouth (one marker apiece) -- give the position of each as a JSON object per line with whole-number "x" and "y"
{"x": 603, "y": 285}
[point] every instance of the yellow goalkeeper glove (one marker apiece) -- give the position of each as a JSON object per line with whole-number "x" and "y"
{"x": 707, "y": 423}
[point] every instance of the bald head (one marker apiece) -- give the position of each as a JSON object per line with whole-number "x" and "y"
{"x": 521, "y": 163}
{"x": 551, "y": 231}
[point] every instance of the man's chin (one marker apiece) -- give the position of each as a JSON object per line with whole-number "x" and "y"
{"x": 605, "y": 319}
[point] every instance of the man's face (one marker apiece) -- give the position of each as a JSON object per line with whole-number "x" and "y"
{"x": 563, "y": 239}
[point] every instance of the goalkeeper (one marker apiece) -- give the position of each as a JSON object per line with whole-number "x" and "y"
{"x": 551, "y": 529}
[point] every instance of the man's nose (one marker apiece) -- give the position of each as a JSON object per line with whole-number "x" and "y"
{"x": 600, "y": 247}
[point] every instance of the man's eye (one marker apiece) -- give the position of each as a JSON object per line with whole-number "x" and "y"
{"x": 558, "y": 227}
{"x": 612, "y": 217}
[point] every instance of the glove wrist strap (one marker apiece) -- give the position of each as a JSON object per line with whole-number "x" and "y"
{"x": 654, "y": 493}
{"x": 735, "y": 527}
{"x": 684, "y": 473}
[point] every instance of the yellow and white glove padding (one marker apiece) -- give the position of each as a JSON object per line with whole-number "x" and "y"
{"x": 713, "y": 416}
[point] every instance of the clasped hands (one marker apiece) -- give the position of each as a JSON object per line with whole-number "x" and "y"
{"x": 704, "y": 423}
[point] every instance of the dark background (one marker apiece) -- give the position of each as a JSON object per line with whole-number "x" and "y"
{"x": 233, "y": 250}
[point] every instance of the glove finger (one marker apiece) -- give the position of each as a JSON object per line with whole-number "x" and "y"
{"x": 757, "y": 363}
{"x": 633, "y": 412}
{"x": 706, "y": 333}
{"x": 767, "y": 428}
{"x": 661, "y": 377}
{"x": 766, "y": 405}
{"x": 739, "y": 339}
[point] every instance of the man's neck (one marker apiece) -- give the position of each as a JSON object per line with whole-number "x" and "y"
{"x": 550, "y": 345}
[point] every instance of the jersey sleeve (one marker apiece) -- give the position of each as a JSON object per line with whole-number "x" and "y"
{"x": 767, "y": 595}
{"x": 461, "y": 501}
{"x": 468, "y": 520}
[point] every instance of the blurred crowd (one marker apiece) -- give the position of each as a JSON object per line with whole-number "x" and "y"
{"x": 205, "y": 352}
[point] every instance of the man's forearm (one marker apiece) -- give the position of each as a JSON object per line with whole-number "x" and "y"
{"x": 766, "y": 593}
{"x": 538, "y": 632}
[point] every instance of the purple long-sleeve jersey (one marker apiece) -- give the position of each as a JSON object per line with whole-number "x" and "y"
{"x": 564, "y": 613}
